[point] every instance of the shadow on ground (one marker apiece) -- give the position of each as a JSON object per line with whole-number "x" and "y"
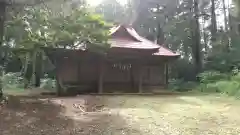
{"x": 32, "y": 116}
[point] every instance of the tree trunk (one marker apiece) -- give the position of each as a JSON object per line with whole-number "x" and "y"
{"x": 213, "y": 22}
{"x": 225, "y": 15}
{"x": 205, "y": 36}
{"x": 1, "y": 84}
{"x": 232, "y": 31}
{"x": 160, "y": 35}
{"x": 196, "y": 40}
{"x": 226, "y": 24}
{"x": 2, "y": 20}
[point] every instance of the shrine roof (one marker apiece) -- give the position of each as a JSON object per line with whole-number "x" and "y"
{"x": 125, "y": 37}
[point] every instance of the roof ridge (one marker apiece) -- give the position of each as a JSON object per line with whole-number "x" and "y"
{"x": 129, "y": 30}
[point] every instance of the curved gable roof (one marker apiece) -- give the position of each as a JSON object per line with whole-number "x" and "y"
{"x": 126, "y": 37}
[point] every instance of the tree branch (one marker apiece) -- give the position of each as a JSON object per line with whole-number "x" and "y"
{"x": 23, "y": 2}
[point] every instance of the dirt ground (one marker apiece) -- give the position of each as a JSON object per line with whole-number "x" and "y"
{"x": 121, "y": 115}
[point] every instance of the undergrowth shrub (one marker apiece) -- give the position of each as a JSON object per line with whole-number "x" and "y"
{"x": 230, "y": 88}
{"x": 209, "y": 88}
{"x": 12, "y": 80}
{"x": 48, "y": 84}
{"x": 236, "y": 77}
{"x": 212, "y": 76}
{"x": 213, "y": 81}
{"x": 181, "y": 85}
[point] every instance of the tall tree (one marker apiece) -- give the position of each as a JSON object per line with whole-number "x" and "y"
{"x": 237, "y": 3}
{"x": 226, "y": 36}
{"x": 225, "y": 15}
{"x": 197, "y": 49}
{"x": 39, "y": 28}
{"x": 213, "y": 22}
{"x": 2, "y": 19}
{"x": 3, "y": 7}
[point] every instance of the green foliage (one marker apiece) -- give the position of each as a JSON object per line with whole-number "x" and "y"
{"x": 236, "y": 77}
{"x": 212, "y": 76}
{"x": 228, "y": 87}
{"x": 12, "y": 81}
{"x": 213, "y": 81}
{"x": 48, "y": 84}
{"x": 80, "y": 27}
{"x": 207, "y": 88}
{"x": 224, "y": 60}
{"x": 37, "y": 27}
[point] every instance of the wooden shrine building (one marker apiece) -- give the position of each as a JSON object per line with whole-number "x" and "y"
{"x": 132, "y": 63}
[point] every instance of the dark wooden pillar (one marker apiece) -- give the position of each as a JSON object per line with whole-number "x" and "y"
{"x": 132, "y": 77}
{"x": 140, "y": 79}
{"x": 37, "y": 79}
{"x": 58, "y": 86}
{"x": 79, "y": 72}
{"x": 166, "y": 73}
{"x": 38, "y": 69}
{"x": 58, "y": 79}
{"x": 101, "y": 76}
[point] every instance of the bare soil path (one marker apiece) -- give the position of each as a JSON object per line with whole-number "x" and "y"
{"x": 121, "y": 115}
